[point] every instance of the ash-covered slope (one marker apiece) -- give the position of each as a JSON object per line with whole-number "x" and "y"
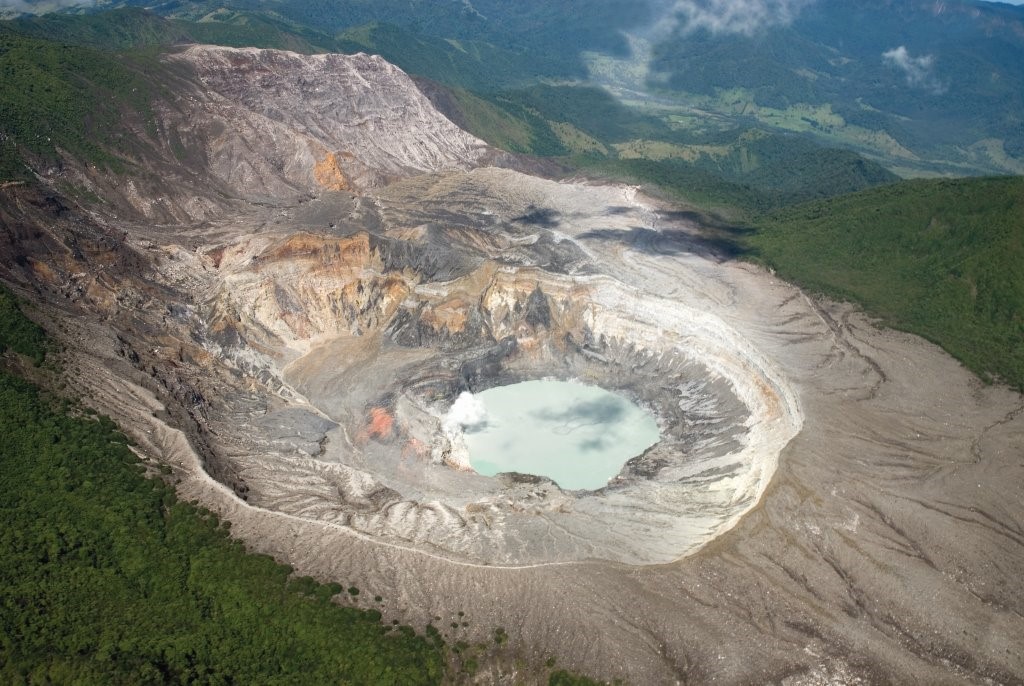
{"x": 233, "y": 127}
{"x": 361, "y": 121}
{"x": 380, "y": 340}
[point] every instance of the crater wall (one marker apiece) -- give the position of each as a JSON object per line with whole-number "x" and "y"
{"x": 378, "y": 341}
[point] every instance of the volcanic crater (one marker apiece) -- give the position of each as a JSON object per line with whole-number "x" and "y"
{"x": 379, "y": 333}
{"x": 285, "y": 317}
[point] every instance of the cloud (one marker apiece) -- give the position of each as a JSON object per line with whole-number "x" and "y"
{"x": 593, "y": 444}
{"x": 917, "y": 70}
{"x": 40, "y": 6}
{"x": 734, "y": 16}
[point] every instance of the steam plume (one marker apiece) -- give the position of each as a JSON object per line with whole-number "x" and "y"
{"x": 467, "y": 411}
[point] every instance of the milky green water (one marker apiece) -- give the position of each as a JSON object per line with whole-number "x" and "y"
{"x": 577, "y": 435}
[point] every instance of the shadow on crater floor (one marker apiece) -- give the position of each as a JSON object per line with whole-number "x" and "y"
{"x": 720, "y": 246}
{"x": 543, "y": 217}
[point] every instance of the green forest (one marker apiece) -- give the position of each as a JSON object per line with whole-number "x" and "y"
{"x": 57, "y": 95}
{"x": 19, "y": 333}
{"x": 939, "y": 258}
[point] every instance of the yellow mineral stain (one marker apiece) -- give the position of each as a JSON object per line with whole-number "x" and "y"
{"x": 328, "y": 172}
{"x": 451, "y": 315}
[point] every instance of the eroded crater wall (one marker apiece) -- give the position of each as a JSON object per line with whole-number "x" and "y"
{"x": 379, "y": 341}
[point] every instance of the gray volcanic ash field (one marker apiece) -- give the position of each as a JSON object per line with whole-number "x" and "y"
{"x": 287, "y": 320}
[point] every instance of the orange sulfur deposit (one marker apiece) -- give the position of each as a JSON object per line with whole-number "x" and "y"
{"x": 381, "y": 424}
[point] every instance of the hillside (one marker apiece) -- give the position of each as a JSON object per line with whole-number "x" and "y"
{"x": 739, "y": 177}
{"x": 76, "y": 99}
{"x": 896, "y": 82}
{"x": 81, "y": 97}
{"x": 927, "y": 87}
{"x": 941, "y": 259}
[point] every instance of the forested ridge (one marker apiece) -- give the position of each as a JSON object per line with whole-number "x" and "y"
{"x": 939, "y": 258}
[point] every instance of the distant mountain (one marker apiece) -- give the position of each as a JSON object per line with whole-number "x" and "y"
{"x": 926, "y": 85}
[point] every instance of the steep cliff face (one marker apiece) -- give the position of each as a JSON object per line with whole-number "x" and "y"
{"x": 362, "y": 121}
{"x": 305, "y": 286}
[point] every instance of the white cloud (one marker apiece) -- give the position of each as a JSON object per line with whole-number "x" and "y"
{"x": 745, "y": 17}
{"x": 735, "y": 16}
{"x": 917, "y": 70}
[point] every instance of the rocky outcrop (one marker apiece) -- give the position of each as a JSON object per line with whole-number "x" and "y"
{"x": 304, "y": 286}
{"x": 362, "y": 121}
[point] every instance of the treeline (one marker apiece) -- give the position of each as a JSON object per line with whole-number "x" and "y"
{"x": 753, "y": 176}
{"x": 939, "y": 258}
{"x": 681, "y": 181}
{"x": 18, "y": 332}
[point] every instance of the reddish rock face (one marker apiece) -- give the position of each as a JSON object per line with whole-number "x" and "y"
{"x": 381, "y": 424}
{"x": 329, "y": 173}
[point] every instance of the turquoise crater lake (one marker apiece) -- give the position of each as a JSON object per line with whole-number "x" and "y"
{"x": 577, "y": 435}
